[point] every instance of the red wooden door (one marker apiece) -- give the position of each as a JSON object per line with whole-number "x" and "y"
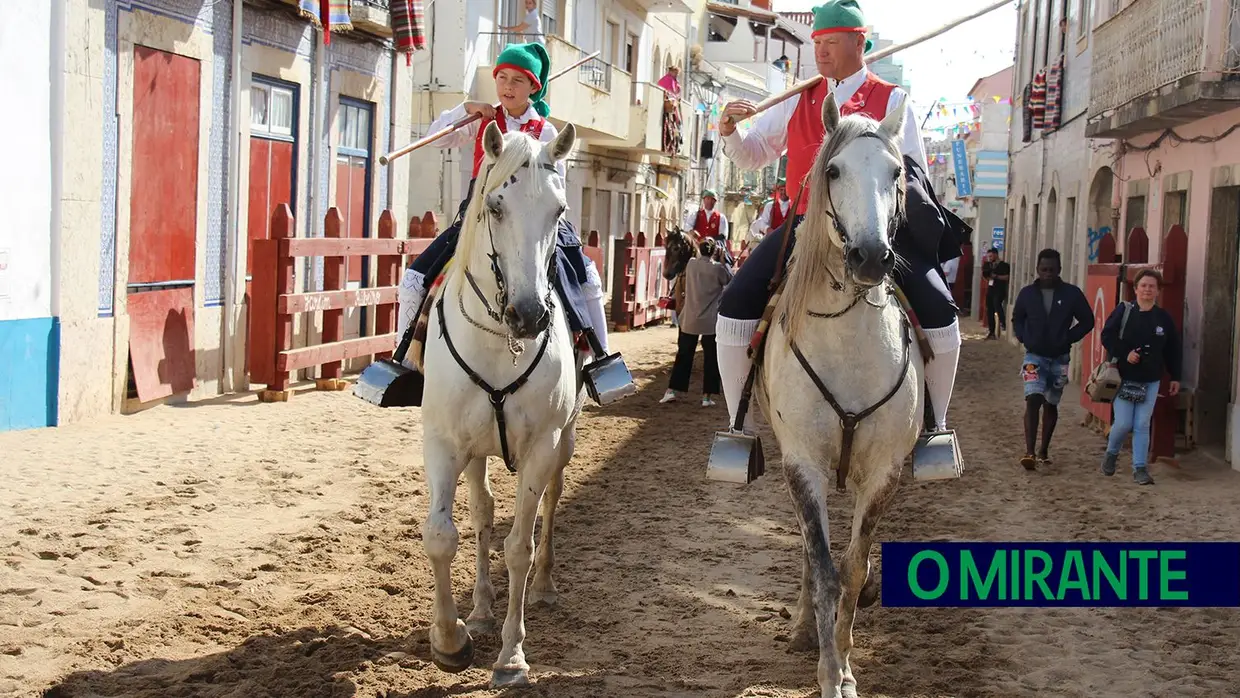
{"x": 351, "y": 175}
{"x": 164, "y": 195}
{"x": 271, "y": 184}
{"x": 163, "y": 222}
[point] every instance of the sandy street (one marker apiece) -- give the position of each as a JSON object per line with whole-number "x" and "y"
{"x": 238, "y": 549}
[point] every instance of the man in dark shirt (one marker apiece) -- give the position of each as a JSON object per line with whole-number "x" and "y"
{"x": 1042, "y": 318}
{"x": 996, "y": 272}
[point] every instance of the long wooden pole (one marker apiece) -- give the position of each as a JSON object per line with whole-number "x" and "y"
{"x": 876, "y": 56}
{"x": 456, "y": 125}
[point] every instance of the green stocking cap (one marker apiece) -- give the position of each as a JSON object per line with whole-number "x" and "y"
{"x": 840, "y": 16}
{"x": 531, "y": 59}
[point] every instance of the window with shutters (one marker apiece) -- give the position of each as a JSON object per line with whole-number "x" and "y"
{"x": 551, "y": 16}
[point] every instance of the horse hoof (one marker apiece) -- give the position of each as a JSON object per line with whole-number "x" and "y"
{"x": 509, "y": 678}
{"x": 480, "y": 626}
{"x": 848, "y": 689}
{"x": 456, "y": 662}
{"x": 549, "y": 599}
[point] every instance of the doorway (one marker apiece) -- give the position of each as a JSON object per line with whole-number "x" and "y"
{"x": 1216, "y": 377}
{"x": 163, "y": 224}
{"x": 353, "y": 175}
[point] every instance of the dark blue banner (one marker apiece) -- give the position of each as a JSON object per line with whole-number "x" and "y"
{"x": 1061, "y": 574}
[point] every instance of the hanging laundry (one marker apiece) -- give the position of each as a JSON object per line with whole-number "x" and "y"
{"x": 1054, "y": 94}
{"x": 407, "y": 19}
{"x": 1027, "y": 114}
{"x": 328, "y": 16}
{"x": 1037, "y": 101}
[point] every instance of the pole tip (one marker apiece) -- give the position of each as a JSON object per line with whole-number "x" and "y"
{"x": 383, "y": 160}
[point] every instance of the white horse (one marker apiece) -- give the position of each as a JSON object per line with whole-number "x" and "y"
{"x": 505, "y": 380}
{"x": 840, "y": 352}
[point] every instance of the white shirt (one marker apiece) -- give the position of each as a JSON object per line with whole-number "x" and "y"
{"x": 533, "y": 25}
{"x": 691, "y": 220}
{"x": 763, "y": 144}
{"x": 949, "y": 269}
{"x": 467, "y": 136}
{"x": 760, "y": 226}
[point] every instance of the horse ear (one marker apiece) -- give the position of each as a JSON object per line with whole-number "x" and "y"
{"x": 492, "y": 141}
{"x": 830, "y": 114}
{"x": 563, "y": 143}
{"x": 893, "y": 123}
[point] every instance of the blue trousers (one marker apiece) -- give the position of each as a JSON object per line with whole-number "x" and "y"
{"x": 1135, "y": 418}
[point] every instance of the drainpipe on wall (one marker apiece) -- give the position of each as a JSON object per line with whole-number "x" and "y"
{"x": 391, "y": 140}
{"x": 233, "y": 223}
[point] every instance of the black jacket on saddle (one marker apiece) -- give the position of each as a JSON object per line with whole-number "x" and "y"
{"x": 1152, "y": 334}
{"x": 1051, "y": 334}
{"x": 930, "y": 232}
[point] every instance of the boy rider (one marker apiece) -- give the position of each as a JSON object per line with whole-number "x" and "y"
{"x": 520, "y": 73}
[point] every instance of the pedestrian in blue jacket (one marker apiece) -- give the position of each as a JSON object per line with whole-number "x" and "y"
{"x": 1050, "y": 315}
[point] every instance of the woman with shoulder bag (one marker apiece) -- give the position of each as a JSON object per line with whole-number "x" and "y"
{"x": 1148, "y": 344}
{"x": 705, "y": 277}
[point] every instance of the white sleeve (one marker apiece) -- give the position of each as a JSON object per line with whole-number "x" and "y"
{"x": 763, "y": 221}
{"x": 459, "y": 138}
{"x": 766, "y": 141}
{"x": 723, "y": 225}
{"x": 689, "y": 221}
{"x": 549, "y": 132}
{"x": 912, "y": 145}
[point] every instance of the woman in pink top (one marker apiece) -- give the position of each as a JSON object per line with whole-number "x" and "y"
{"x": 670, "y": 84}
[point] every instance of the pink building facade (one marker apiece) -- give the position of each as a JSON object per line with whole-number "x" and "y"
{"x": 1170, "y": 107}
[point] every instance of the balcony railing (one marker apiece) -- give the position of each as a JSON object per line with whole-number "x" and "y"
{"x": 595, "y": 73}
{"x": 1149, "y": 44}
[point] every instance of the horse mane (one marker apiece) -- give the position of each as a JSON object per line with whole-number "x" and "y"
{"x": 818, "y": 244}
{"x": 519, "y": 151}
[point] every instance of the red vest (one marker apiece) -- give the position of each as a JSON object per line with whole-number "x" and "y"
{"x": 707, "y": 226}
{"x": 806, "y": 131}
{"x": 777, "y": 214}
{"x": 533, "y": 127}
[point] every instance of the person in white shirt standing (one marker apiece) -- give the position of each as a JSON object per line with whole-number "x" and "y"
{"x": 530, "y": 27}
{"x": 796, "y": 126}
{"x": 773, "y": 213}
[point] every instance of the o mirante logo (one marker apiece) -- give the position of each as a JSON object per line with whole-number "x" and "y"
{"x": 1061, "y": 574}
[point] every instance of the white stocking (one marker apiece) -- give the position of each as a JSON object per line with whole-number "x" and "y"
{"x": 409, "y": 299}
{"x": 595, "y": 303}
{"x": 732, "y": 342}
{"x": 941, "y": 372}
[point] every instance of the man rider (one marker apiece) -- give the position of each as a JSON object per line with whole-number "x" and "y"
{"x": 796, "y": 125}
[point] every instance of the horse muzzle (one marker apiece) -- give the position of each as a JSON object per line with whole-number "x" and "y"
{"x": 527, "y": 318}
{"x": 869, "y": 264}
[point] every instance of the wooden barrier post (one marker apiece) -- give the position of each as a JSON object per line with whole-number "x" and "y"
{"x": 282, "y": 229}
{"x": 333, "y": 318}
{"x": 1166, "y": 410}
{"x": 388, "y": 275}
{"x": 1137, "y": 248}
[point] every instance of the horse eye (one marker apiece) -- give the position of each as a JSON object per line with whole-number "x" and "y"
{"x": 833, "y": 172}
{"x": 496, "y": 210}
{"x": 896, "y": 175}
{"x": 563, "y": 210}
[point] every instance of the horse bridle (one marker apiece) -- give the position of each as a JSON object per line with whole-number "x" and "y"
{"x": 892, "y": 224}
{"x": 515, "y": 347}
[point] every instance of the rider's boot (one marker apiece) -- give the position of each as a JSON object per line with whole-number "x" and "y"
{"x": 941, "y": 372}
{"x": 732, "y": 341}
